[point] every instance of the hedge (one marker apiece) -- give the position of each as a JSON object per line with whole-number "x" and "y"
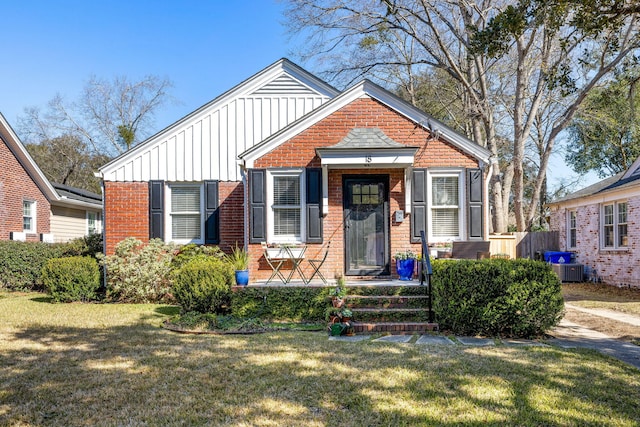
{"x": 21, "y": 263}
{"x": 281, "y": 303}
{"x": 512, "y": 298}
{"x": 203, "y": 285}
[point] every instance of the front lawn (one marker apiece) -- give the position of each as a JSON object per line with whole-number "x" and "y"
{"x": 98, "y": 364}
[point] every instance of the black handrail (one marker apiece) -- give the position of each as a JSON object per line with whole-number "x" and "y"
{"x": 427, "y": 271}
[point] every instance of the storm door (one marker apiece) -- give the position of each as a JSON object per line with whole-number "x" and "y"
{"x": 366, "y": 236}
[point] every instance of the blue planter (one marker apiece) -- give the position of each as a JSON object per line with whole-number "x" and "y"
{"x": 242, "y": 277}
{"x": 405, "y": 268}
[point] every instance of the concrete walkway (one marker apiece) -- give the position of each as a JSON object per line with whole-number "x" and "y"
{"x": 609, "y": 314}
{"x": 565, "y": 335}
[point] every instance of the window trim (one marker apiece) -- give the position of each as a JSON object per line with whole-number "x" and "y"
{"x": 34, "y": 211}
{"x": 570, "y": 228}
{"x": 168, "y": 213}
{"x": 615, "y": 225}
{"x": 98, "y": 222}
{"x": 460, "y": 174}
{"x": 270, "y": 226}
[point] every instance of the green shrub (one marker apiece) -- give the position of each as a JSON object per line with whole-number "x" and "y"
{"x": 71, "y": 279}
{"x": 84, "y": 246}
{"x": 514, "y": 298}
{"x": 190, "y": 251}
{"x": 281, "y": 303}
{"x": 21, "y": 263}
{"x": 139, "y": 272}
{"x": 203, "y": 285}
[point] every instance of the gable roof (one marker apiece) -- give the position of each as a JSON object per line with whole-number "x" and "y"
{"x": 232, "y": 122}
{"x": 363, "y": 89}
{"x": 618, "y": 182}
{"x": 20, "y": 152}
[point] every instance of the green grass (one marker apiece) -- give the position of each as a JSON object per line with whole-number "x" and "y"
{"x": 94, "y": 364}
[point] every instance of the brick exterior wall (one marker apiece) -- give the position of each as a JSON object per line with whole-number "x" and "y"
{"x": 127, "y": 213}
{"x": 614, "y": 267}
{"x": 17, "y": 185}
{"x": 300, "y": 152}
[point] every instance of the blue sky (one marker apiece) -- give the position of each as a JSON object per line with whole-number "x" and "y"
{"x": 203, "y": 47}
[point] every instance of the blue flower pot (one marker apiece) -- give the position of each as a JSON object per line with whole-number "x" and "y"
{"x": 242, "y": 277}
{"x": 405, "y": 268}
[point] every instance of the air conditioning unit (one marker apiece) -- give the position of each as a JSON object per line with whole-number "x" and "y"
{"x": 569, "y": 272}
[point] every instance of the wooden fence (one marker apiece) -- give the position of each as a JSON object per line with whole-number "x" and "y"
{"x": 524, "y": 245}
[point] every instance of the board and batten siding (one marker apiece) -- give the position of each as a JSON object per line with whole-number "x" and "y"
{"x": 206, "y": 145}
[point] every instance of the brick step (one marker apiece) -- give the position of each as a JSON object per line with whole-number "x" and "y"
{"x": 390, "y": 314}
{"x": 394, "y": 328}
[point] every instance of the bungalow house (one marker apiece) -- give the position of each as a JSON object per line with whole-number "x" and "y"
{"x": 32, "y": 208}
{"x": 598, "y": 224}
{"x": 284, "y": 158}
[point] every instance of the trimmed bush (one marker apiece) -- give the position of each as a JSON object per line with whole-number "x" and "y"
{"x": 139, "y": 272}
{"x": 71, "y": 279}
{"x": 203, "y": 285}
{"x": 511, "y": 298}
{"x": 190, "y": 251}
{"x": 281, "y": 303}
{"x": 21, "y": 263}
{"x": 84, "y": 246}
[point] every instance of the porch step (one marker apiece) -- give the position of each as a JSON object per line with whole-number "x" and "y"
{"x": 390, "y": 314}
{"x": 394, "y": 328}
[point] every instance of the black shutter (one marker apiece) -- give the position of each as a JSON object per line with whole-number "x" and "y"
{"x": 475, "y": 205}
{"x": 314, "y": 206}
{"x": 156, "y": 210}
{"x": 257, "y": 206}
{"x": 211, "y": 213}
{"x": 419, "y": 202}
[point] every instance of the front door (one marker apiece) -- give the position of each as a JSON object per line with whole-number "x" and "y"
{"x": 366, "y": 235}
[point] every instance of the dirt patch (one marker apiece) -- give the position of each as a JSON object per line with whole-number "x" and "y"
{"x": 590, "y": 295}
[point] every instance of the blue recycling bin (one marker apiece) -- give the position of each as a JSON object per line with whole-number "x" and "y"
{"x": 557, "y": 257}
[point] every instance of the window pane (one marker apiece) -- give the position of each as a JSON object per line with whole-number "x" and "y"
{"x": 185, "y": 227}
{"x": 622, "y": 213}
{"x": 445, "y": 190}
{"x": 26, "y": 223}
{"x": 286, "y": 190}
{"x": 26, "y": 208}
{"x": 608, "y": 235}
{"x": 608, "y": 215}
{"x": 622, "y": 235}
{"x": 185, "y": 199}
{"x": 286, "y": 222}
{"x": 445, "y": 222}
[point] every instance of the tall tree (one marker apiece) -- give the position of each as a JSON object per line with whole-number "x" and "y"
{"x": 605, "y": 135}
{"x": 110, "y": 116}
{"x": 505, "y": 81}
{"x": 67, "y": 160}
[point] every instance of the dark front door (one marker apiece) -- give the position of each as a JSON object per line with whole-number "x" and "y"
{"x": 366, "y": 235}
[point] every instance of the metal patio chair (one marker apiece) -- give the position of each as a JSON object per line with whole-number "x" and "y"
{"x": 275, "y": 264}
{"x": 316, "y": 264}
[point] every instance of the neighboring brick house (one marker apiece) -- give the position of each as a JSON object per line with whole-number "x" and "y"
{"x": 33, "y": 209}
{"x": 600, "y": 225}
{"x": 284, "y": 158}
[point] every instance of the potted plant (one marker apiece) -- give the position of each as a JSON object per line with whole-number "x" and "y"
{"x": 405, "y": 264}
{"x": 346, "y": 314}
{"x": 239, "y": 259}
{"x": 338, "y": 293}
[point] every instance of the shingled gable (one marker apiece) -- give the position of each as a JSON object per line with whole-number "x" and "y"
{"x": 366, "y": 89}
{"x": 279, "y": 95}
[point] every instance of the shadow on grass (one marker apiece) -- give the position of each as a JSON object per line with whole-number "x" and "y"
{"x": 168, "y": 310}
{"x": 140, "y": 374}
{"x": 45, "y": 299}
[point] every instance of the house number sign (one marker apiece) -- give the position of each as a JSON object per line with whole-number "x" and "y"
{"x": 367, "y": 161}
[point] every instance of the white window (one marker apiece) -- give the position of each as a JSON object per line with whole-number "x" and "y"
{"x": 94, "y": 223}
{"x": 28, "y": 216}
{"x": 445, "y": 210}
{"x": 614, "y": 225}
{"x": 572, "y": 230}
{"x": 185, "y": 213}
{"x": 286, "y": 199}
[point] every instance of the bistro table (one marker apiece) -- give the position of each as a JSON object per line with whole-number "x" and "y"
{"x": 278, "y": 256}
